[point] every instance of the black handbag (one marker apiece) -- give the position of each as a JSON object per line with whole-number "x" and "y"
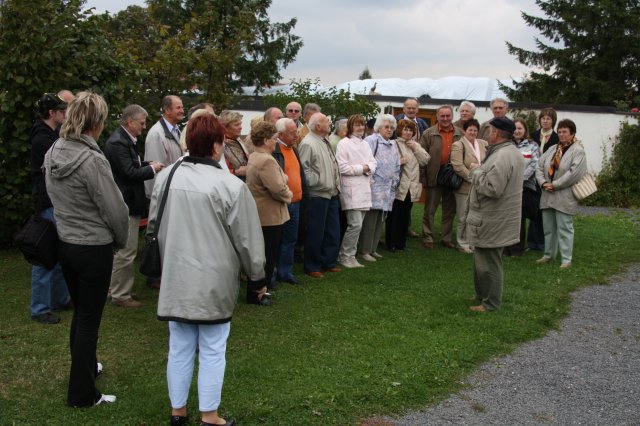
{"x": 447, "y": 176}
{"x": 38, "y": 241}
{"x": 151, "y": 261}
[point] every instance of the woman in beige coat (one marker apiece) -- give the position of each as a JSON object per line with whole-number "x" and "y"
{"x": 412, "y": 157}
{"x": 465, "y": 153}
{"x": 268, "y": 184}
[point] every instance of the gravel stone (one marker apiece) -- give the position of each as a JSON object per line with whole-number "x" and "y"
{"x": 585, "y": 373}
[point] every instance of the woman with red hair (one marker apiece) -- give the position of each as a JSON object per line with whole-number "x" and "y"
{"x": 209, "y": 230}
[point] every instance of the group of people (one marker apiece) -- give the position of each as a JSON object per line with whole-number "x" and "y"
{"x": 284, "y": 188}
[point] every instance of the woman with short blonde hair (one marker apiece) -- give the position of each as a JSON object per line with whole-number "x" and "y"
{"x": 93, "y": 221}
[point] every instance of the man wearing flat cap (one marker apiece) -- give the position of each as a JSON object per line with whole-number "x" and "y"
{"x": 48, "y": 287}
{"x": 493, "y": 219}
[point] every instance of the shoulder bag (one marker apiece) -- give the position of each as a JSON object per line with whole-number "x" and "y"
{"x": 584, "y": 187}
{"x": 38, "y": 241}
{"x": 151, "y": 261}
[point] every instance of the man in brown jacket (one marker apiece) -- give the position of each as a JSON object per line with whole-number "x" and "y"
{"x": 437, "y": 141}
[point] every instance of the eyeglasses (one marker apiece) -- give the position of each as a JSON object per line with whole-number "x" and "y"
{"x": 293, "y": 110}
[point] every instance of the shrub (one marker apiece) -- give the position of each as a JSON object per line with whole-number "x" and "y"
{"x": 619, "y": 179}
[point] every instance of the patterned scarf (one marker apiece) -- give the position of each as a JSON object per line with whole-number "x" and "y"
{"x": 557, "y": 156}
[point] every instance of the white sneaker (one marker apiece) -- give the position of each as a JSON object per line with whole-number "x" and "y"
{"x": 351, "y": 263}
{"x": 376, "y": 254}
{"x": 356, "y": 264}
{"x": 565, "y": 265}
{"x": 368, "y": 257}
{"x": 106, "y": 399}
{"x": 99, "y": 368}
{"x": 543, "y": 259}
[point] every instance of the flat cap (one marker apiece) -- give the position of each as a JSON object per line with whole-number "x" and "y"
{"x": 504, "y": 124}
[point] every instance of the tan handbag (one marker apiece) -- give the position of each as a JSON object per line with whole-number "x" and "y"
{"x": 584, "y": 187}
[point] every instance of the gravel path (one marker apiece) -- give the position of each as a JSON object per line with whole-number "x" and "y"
{"x": 585, "y": 373}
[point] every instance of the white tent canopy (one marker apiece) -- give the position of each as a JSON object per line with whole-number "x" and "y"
{"x": 471, "y": 88}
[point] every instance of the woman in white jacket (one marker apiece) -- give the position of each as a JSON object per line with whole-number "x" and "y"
{"x": 209, "y": 231}
{"x": 356, "y": 164}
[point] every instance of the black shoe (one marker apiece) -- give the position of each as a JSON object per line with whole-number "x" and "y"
{"x": 293, "y": 280}
{"x": 46, "y": 318}
{"x": 228, "y": 423}
{"x": 179, "y": 420}
{"x": 66, "y": 307}
{"x": 252, "y": 298}
{"x": 154, "y": 285}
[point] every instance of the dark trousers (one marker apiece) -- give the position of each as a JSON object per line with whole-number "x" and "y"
{"x": 322, "y": 236}
{"x": 488, "y": 276}
{"x": 535, "y": 237}
{"x": 87, "y": 270}
{"x": 272, "y": 236}
{"x": 397, "y": 223}
{"x": 288, "y": 244}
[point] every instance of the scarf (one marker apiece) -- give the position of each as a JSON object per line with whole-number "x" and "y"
{"x": 557, "y": 156}
{"x": 545, "y": 135}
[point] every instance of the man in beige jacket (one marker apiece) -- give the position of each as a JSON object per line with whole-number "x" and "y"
{"x": 495, "y": 205}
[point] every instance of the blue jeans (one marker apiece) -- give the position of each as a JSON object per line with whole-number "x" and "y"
{"x": 322, "y": 237}
{"x": 48, "y": 287}
{"x": 184, "y": 339}
{"x": 288, "y": 243}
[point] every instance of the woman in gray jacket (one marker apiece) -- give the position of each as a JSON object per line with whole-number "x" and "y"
{"x": 560, "y": 168}
{"x": 92, "y": 220}
{"x": 209, "y": 230}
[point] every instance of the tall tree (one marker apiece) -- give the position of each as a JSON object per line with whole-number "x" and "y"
{"x": 365, "y": 74}
{"x": 46, "y": 46}
{"x": 219, "y": 46}
{"x": 591, "y": 53}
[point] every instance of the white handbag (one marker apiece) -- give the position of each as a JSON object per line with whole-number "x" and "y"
{"x": 584, "y": 187}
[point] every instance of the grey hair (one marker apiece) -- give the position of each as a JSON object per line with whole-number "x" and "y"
{"x": 267, "y": 113}
{"x": 503, "y": 100}
{"x": 447, "y": 106}
{"x": 311, "y": 107}
{"x": 130, "y": 112}
{"x": 383, "y": 118}
{"x": 313, "y": 120}
{"x": 411, "y": 99}
{"x": 86, "y": 112}
{"x": 470, "y": 105}
{"x": 281, "y": 124}
{"x": 227, "y": 116}
{"x": 341, "y": 123}
{"x": 167, "y": 102}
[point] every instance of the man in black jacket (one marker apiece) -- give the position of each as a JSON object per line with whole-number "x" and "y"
{"x": 48, "y": 287}
{"x": 129, "y": 173}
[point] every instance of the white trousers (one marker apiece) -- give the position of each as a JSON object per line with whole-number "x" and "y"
{"x": 351, "y": 235}
{"x": 183, "y": 341}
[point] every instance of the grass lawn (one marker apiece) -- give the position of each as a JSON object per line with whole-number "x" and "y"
{"x": 338, "y": 351}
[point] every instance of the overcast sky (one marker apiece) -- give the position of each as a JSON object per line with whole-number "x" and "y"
{"x": 397, "y": 39}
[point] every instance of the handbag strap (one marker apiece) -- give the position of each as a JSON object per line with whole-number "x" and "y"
{"x": 165, "y": 195}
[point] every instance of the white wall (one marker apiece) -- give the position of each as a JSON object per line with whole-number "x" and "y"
{"x": 596, "y": 130}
